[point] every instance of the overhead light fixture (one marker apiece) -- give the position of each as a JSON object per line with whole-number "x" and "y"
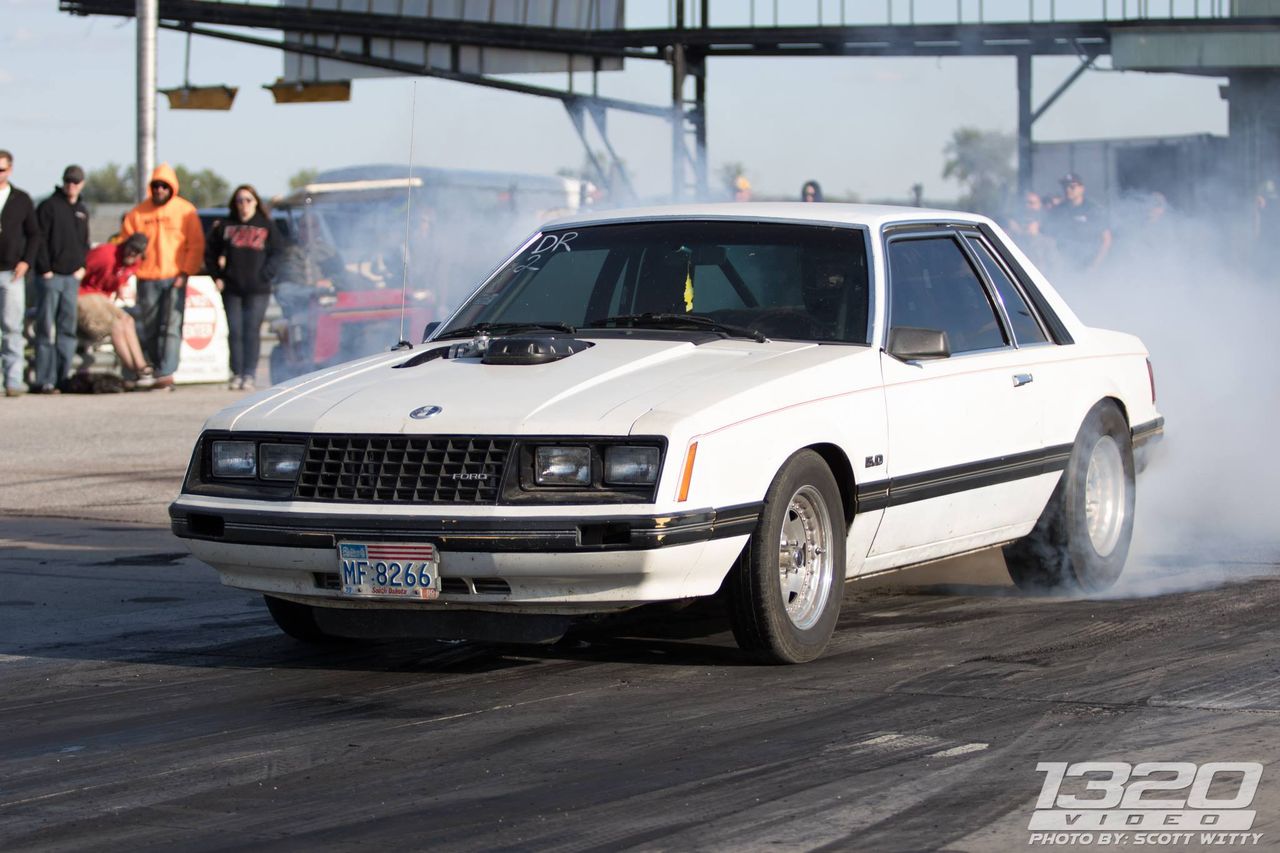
{"x": 188, "y": 97}
{"x": 309, "y": 91}
{"x": 200, "y": 97}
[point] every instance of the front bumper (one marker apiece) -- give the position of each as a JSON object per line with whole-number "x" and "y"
{"x": 553, "y": 564}
{"x": 259, "y": 525}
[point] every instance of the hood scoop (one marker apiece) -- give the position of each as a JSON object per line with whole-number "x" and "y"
{"x": 532, "y": 349}
{"x": 423, "y": 357}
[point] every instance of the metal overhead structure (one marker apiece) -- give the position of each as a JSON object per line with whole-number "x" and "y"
{"x": 333, "y": 30}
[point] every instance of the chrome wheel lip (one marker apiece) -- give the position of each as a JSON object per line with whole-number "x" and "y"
{"x": 805, "y": 556}
{"x": 1105, "y": 504}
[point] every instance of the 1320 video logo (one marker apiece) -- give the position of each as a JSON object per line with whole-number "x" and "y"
{"x": 1117, "y": 795}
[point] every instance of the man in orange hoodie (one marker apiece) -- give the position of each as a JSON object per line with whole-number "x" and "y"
{"x": 175, "y": 251}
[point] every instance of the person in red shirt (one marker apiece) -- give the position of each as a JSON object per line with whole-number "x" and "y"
{"x": 107, "y": 268}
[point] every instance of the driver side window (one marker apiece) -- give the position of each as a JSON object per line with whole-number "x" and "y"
{"x": 932, "y": 285}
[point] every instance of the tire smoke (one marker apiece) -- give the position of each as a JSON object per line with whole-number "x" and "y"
{"x": 1199, "y": 295}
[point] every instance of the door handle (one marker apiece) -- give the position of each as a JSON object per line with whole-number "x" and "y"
{"x": 1020, "y": 379}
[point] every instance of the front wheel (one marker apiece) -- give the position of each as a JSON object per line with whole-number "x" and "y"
{"x": 784, "y": 592}
{"x": 1082, "y": 538}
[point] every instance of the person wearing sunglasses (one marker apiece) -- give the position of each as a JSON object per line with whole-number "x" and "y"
{"x": 175, "y": 251}
{"x": 241, "y": 257}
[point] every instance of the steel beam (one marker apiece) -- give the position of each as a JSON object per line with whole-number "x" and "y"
{"x": 1086, "y": 62}
{"x": 415, "y": 70}
{"x": 1025, "y": 120}
{"x": 145, "y": 160}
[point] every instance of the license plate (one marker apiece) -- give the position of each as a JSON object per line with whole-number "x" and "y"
{"x": 405, "y": 570}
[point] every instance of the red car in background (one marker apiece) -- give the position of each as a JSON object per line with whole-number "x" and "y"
{"x": 344, "y": 325}
{"x": 378, "y": 236}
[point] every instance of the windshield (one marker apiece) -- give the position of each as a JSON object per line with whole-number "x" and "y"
{"x": 797, "y": 282}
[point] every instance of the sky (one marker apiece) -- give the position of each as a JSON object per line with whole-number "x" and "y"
{"x": 866, "y": 126}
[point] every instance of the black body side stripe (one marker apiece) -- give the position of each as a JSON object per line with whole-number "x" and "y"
{"x": 961, "y": 478}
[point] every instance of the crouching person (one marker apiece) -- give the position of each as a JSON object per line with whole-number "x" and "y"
{"x": 107, "y": 268}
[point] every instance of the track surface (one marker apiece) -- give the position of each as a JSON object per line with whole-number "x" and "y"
{"x": 145, "y": 707}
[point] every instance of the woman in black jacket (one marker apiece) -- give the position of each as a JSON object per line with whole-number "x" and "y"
{"x": 240, "y": 255}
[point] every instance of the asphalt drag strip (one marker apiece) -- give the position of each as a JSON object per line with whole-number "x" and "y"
{"x": 145, "y": 706}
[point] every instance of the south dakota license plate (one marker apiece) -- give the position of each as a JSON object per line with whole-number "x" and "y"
{"x": 404, "y": 570}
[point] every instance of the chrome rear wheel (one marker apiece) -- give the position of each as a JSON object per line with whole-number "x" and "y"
{"x": 1104, "y": 496}
{"x": 1082, "y": 538}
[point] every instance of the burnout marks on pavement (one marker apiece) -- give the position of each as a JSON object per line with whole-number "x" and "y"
{"x": 960, "y": 750}
{"x": 897, "y": 742}
{"x": 170, "y": 558}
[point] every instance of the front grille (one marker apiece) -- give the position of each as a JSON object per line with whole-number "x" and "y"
{"x": 403, "y": 469}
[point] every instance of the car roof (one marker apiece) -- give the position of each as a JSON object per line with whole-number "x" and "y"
{"x": 870, "y": 215}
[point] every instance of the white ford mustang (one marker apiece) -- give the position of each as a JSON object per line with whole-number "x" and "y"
{"x": 759, "y": 401}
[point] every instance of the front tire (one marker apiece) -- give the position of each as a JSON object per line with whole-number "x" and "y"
{"x": 784, "y": 592}
{"x": 1082, "y": 538}
{"x": 296, "y": 620}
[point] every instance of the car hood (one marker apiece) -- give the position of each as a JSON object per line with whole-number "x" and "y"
{"x": 602, "y": 390}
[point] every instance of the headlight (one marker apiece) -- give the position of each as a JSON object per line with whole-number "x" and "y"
{"x": 280, "y": 461}
{"x": 234, "y": 459}
{"x": 631, "y": 465}
{"x": 562, "y": 466}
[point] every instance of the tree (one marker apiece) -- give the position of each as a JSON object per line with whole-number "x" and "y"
{"x": 205, "y": 188}
{"x": 982, "y": 161}
{"x": 302, "y": 177}
{"x": 112, "y": 183}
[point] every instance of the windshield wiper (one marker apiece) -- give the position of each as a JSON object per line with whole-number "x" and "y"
{"x": 658, "y": 321}
{"x": 503, "y": 329}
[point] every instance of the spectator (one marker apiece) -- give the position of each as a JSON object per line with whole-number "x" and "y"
{"x": 64, "y": 242}
{"x": 107, "y": 269}
{"x": 307, "y": 266}
{"x": 1027, "y": 220}
{"x": 1079, "y": 227}
{"x": 1266, "y": 227}
{"x": 241, "y": 256}
{"x": 176, "y": 251}
{"x": 1026, "y": 226}
{"x": 811, "y": 191}
{"x": 425, "y": 276}
{"x": 19, "y": 243}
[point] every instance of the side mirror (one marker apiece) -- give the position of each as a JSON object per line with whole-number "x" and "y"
{"x": 911, "y": 344}
{"x": 429, "y": 329}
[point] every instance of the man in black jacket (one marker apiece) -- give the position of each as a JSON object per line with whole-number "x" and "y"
{"x": 64, "y": 242}
{"x": 19, "y": 243}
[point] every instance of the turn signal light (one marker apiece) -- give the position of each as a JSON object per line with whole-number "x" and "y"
{"x": 688, "y": 473}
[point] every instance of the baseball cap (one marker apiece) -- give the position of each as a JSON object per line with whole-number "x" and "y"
{"x": 1070, "y": 178}
{"x": 72, "y": 175}
{"x": 136, "y": 243}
